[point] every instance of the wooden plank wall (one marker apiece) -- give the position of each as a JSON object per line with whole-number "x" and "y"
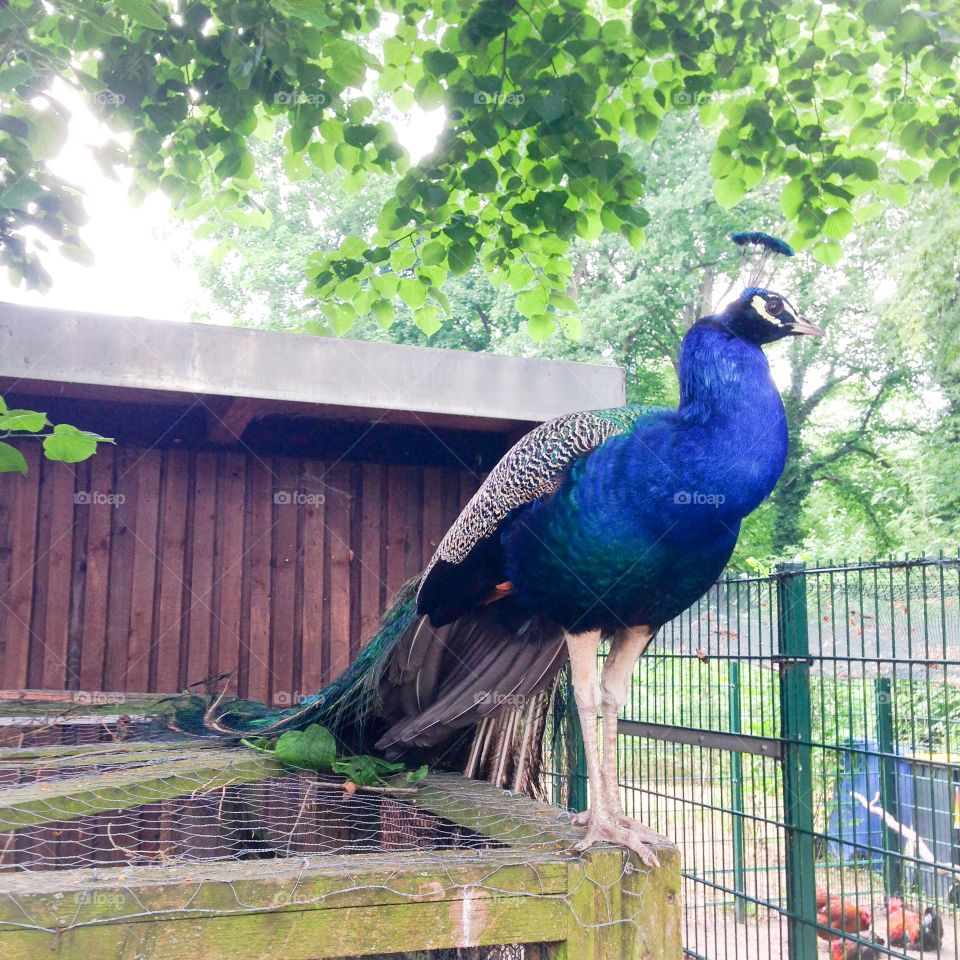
{"x": 147, "y": 570}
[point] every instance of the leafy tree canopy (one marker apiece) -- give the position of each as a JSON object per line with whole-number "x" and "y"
{"x": 872, "y": 466}
{"x": 844, "y": 104}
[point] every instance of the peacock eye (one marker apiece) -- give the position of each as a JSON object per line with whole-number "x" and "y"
{"x": 774, "y": 306}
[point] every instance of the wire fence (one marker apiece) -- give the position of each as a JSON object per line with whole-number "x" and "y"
{"x": 798, "y": 736}
{"x": 111, "y": 825}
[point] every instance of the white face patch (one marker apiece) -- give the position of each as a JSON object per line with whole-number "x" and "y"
{"x": 760, "y": 305}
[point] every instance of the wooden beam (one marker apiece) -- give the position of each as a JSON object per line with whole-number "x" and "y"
{"x": 468, "y": 921}
{"x": 143, "y": 894}
{"x": 90, "y": 755}
{"x": 51, "y": 801}
{"x": 227, "y": 418}
{"x": 16, "y": 703}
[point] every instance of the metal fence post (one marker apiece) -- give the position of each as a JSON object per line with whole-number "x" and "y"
{"x": 736, "y": 789}
{"x": 796, "y": 730}
{"x": 577, "y": 779}
{"x": 889, "y": 800}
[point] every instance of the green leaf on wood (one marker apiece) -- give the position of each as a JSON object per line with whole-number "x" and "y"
{"x": 11, "y": 459}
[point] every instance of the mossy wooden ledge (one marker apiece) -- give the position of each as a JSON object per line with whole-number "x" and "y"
{"x": 527, "y": 887}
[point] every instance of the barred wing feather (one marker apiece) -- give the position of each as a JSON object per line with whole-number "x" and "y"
{"x": 468, "y": 561}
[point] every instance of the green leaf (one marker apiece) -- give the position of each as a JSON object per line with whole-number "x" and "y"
{"x": 366, "y": 771}
{"x": 868, "y": 212}
{"x": 541, "y": 327}
{"x": 11, "y": 459}
{"x": 403, "y": 258}
{"x": 438, "y": 63}
{"x": 427, "y": 318}
{"x": 415, "y": 776}
{"x": 828, "y": 252}
{"x": 12, "y": 76}
{"x": 562, "y": 301}
{"x": 143, "y": 12}
{"x": 383, "y": 313}
{"x": 460, "y": 258}
{"x": 532, "y": 302}
{"x": 550, "y": 108}
{"x": 342, "y": 317}
{"x": 792, "y": 199}
{"x": 481, "y": 177}
{"x": 433, "y": 253}
{"x": 729, "y": 191}
{"x": 308, "y": 10}
{"x": 28, "y": 421}
{"x": 895, "y": 192}
{"x": 310, "y": 749}
{"x": 67, "y": 444}
{"x": 881, "y": 13}
{"x": 412, "y": 292}
{"x": 19, "y": 194}
{"x": 349, "y": 67}
{"x": 941, "y": 170}
{"x": 838, "y": 224}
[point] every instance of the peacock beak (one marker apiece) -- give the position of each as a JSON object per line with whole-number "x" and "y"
{"x": 803, "y": 327}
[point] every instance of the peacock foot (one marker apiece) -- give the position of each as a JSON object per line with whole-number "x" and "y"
{"x": 582, "y": 818}
{"x": 604, "y": 827}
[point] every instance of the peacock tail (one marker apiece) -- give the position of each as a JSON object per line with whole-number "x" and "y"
{"x": 415, "y": 692}
{"x": 345, "y": 706}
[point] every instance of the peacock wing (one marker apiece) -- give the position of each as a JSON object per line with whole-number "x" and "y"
{"x": 468, "y": 560}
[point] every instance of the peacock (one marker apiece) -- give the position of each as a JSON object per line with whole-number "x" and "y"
{"x": 599, "y": 525}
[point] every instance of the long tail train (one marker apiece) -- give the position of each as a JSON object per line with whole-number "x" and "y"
{"x": 471, "y": 695}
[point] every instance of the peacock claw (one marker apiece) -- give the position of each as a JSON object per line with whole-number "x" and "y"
{"x": 643, "y": 832}
{"x": 607, "y": 828}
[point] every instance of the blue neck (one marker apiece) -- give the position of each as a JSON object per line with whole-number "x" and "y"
{"x": 720, "y": 375}
{"x": 733, "y": 413}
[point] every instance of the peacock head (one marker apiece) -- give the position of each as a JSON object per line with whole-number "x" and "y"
{"x": 761, "y": 316}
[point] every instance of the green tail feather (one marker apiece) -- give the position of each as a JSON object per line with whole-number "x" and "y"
{"x": 345, "y": 707}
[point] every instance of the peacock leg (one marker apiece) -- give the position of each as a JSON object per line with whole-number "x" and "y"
{"x": 607, "y": 822}
{"x": 586, "y": 692}
{"x": 626, "y": 648}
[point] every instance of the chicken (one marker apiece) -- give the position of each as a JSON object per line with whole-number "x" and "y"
{"x": 908, "y": 928}
{"x": 851, "y": 950}
{"x": 840, "y": 914}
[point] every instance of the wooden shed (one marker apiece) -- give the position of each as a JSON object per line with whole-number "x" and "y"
{"x": 267, "y": 494}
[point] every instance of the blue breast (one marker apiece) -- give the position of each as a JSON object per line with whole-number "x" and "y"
{"x": 642, "y": 526}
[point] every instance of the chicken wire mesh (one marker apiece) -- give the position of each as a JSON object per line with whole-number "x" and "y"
{"x": 113, "y": 819}
{"x": 798, "y": 736}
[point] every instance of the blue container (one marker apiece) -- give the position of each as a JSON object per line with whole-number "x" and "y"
{"x": 857, "y": 833}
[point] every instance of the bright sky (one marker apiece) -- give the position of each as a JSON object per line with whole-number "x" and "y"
{"x": 135, "y": 273}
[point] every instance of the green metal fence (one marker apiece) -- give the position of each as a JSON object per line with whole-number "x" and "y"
{"x": 799, "y": 735}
